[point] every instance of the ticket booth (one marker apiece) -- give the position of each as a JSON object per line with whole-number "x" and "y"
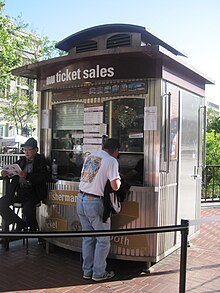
{"x": 120, "y": 81}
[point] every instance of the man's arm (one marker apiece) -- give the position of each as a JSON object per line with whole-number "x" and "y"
{"x": 115, "y": 184}
{"x": 39, "y": 174}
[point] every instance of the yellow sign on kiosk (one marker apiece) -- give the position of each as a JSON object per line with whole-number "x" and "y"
{"x": 62, "y": 197}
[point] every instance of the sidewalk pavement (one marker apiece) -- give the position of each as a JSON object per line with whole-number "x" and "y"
{"x": 60, "y": 271}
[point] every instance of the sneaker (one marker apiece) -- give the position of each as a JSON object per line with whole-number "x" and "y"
{"x": 87, "y": 277}
{"x": 107, "y": 275}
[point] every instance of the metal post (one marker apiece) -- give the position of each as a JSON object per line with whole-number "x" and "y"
{"x": 183, "y": 255}
{"x": 5, "y": 182}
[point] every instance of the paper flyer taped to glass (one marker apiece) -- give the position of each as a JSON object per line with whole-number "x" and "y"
{"x": 150, "y": 118}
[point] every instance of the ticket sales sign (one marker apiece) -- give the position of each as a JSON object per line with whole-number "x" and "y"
{"x": 80, "y": 73}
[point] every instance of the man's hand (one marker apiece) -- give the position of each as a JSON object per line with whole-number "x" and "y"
{"x": 115, "y": 184}
{"x": 22, "y": 174}
{"x": 4, "y": 173}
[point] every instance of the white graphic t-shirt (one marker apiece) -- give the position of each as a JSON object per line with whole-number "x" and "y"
{"x": 97, "y": 169}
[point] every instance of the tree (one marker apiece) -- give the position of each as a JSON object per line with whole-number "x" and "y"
{"x": 11, "y": 43}
{"x": 48, "y": 50}
{"x": 211, "y": 173}
{"x": 213, "y": 121}
{"x": 20, "y": 111}
{"x": 212, "y": 148}
{"x": 18, "y": 47}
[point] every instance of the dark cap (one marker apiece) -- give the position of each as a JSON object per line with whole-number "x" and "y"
{"x": 111, "y": 144}
{"x": 31, "y": 142}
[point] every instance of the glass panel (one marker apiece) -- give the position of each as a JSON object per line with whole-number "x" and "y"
{"x": 189, "y": 187}
{"x": 67, "y": 139}
{"x": 125, "y": 121}
{"x": 68, "y": 126}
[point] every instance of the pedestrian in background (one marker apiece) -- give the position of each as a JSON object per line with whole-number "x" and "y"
{"x": 98, "y": 167}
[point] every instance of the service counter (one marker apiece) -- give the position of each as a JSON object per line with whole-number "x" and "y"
{"x": 140, "y": 209}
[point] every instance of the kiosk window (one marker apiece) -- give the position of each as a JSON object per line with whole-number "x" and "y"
{"x": 67, "y": 139}
{"x": 125, "y": 121}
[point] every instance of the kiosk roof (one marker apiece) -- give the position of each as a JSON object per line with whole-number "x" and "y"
{"x": 71, "y": 41}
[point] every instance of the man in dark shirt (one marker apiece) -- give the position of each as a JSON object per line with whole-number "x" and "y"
{"x": 28, "y": 187}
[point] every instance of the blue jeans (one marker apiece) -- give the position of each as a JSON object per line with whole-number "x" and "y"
{"x": 94, "y": 249}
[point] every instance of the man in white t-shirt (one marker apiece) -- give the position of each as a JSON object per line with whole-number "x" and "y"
{"x": 98, "y": 167}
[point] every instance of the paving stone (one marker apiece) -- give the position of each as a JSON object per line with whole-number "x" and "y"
{"x": 60, "y": 271}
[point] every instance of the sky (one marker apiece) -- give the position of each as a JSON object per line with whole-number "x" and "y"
{"x": 190, "y": 26}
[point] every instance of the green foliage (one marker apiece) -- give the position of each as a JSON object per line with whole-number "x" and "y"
{"x": 11, "y": 43}
{"x": 213, "y": 138}
{"x": 20, "y": 111}
{"x": 18, "y": 47}
{"x": 213, "y": 121}
{"x": 212, "y": 148}
{"x": 211, "y": 174}
{"x": 48, "y": 50}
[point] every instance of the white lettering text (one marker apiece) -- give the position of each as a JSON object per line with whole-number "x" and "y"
{"x": 68, "y": 76}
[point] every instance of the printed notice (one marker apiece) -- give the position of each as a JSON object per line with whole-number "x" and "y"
{"x": 45, "y": 119}
{"x": 150, "y": 118}
{"x": 88, "y": 148}
{"x": 92, "y": 140}
{"x": 91, "y": 128}
{"x": 12, "y": 170}
{"x": 93, "y": 117}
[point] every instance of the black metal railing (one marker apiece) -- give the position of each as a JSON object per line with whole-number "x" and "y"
{"x": 183, "y": 228}
{"x": 211, "y": 184}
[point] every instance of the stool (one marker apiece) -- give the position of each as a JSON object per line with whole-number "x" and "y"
{"x": 37, "y": 206}
{"x": 17, "y": 208}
